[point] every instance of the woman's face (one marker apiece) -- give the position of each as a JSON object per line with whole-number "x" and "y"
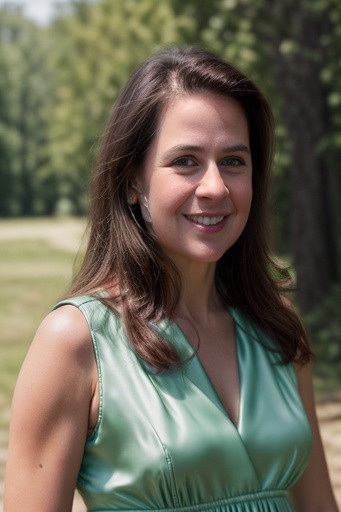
{"x": 195, "y": 189}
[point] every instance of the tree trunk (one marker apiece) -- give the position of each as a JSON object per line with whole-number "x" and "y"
{"x": 294, "y": 48}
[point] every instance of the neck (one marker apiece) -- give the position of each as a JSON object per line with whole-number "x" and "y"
{"x": 199, "y": 295}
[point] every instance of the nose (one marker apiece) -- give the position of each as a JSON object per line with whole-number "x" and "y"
{"x": 211, "y": 184}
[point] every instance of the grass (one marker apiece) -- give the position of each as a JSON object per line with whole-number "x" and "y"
{"x": 35, "y": 268}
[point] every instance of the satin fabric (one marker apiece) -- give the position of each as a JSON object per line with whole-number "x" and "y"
{"x": 163, "y": 441}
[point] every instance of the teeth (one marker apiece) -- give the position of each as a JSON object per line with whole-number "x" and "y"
{"x": 207, "y": 221}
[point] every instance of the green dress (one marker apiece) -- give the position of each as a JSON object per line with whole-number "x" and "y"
{"x": 164, "y": 442}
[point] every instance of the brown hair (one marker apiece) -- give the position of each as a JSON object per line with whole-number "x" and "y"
{"x": 123, "y": 255}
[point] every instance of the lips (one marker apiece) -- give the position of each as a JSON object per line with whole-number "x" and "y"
{"x": 207, "y": 221}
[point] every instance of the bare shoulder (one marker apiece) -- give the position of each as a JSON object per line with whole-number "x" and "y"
{"x": 62, "y": 345}
{"x": 67, "y": 326}
{"x": 303, "y": 372}
{"x": 61, "y": 352}
{"x": 60, "y": 366}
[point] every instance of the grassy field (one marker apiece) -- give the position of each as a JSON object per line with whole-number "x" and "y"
{"x": 36, "y": 263}
{"x": 34, "y": 272}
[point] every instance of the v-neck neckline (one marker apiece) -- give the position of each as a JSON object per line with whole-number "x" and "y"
{"x": 197, "y": 374}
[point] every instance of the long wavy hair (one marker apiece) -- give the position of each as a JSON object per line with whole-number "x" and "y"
{"x": 122, "y": 256}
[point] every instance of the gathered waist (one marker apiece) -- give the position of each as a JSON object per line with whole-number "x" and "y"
{"x": 264, "y": 501}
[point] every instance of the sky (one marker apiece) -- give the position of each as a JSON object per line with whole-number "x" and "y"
{"x": 38, "y": 10}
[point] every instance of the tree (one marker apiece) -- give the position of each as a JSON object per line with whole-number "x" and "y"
{"x": 56, "y": 89}
{"x": 300, "y": 37}
{"x": 24, "y": 96}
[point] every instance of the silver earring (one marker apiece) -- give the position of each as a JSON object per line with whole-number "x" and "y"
{"x": 145, "y": 209}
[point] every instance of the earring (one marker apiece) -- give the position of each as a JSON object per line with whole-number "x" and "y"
{"x": 145, "y": 209}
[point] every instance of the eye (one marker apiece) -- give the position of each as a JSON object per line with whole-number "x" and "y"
{"x": 232, "y": 161}
{"x": 184, "y": 161}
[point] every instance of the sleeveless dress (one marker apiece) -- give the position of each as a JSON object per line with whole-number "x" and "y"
{"x": 164, "y": 442}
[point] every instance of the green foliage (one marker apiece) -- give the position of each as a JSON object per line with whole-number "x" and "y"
{"x": 24, "y": 101}
{"x": 56, "y": 89}
{"x": 57, "y": 84}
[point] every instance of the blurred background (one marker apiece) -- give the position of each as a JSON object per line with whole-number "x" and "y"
{"x": 62, "y": 64}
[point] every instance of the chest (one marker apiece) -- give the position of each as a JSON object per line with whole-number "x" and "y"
{"x": 217, "y": 352}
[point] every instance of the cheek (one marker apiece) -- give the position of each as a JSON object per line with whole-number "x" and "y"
{"x": 243, "y": 195}
{"x": 248, "y": 199}
{"x": 167, "y": 195}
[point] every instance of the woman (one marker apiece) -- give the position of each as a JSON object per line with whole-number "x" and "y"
{"x": 176, "y": 375}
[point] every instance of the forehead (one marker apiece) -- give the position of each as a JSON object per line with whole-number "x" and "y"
{"x": 200, "y": 115}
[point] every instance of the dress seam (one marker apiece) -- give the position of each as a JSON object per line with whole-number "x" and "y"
{"x": 245, "y": 498}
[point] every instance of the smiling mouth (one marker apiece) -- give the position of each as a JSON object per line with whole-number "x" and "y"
{"x": 207, "y": 221}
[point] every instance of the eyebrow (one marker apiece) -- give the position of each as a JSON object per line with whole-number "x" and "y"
{"x": 189, "y": 147}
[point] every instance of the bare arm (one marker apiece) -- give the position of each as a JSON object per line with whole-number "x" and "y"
{"x": 313, "y": 491}
{"x": 50, "y": 415}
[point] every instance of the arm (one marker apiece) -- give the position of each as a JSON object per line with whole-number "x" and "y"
{"x": 313, "y": 491}
{"x": 50, "y": 415}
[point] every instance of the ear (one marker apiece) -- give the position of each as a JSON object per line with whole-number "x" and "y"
{"x": 132, "y": 197}
{"x": 141, "y": 198}
{"x": 132, "y": 194}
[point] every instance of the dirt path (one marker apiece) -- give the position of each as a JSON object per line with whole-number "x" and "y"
{"x": 60, "y": 233}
